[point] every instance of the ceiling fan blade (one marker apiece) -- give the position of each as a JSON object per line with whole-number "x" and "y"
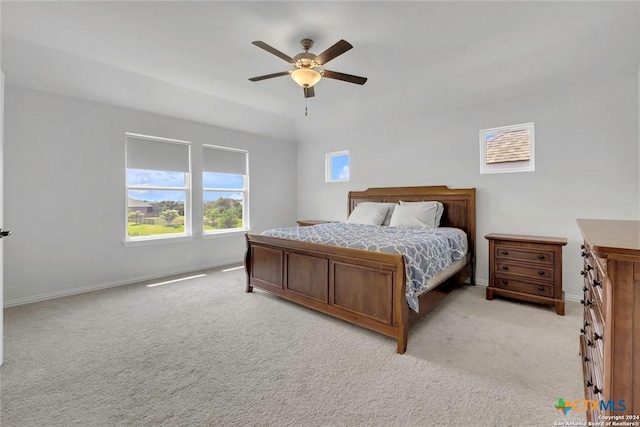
{"x": 274, "y": 51}
{"x": 344, "y": 77}
{"x": 337, "y": 49}
{"x": 309, "y": 92}
{"x": 268, "y": 76}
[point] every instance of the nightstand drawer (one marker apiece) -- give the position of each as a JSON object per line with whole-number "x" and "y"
{"x": 530, "y": 272}
{"x": 522, "y": 286}
{"x": 534, "y": 256}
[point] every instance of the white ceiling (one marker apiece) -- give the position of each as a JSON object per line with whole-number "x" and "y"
{"x": 192, "y": 60}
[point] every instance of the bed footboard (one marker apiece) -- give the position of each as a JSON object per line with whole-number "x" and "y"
{"x": 361, "y": 287}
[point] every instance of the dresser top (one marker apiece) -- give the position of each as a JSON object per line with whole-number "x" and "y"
{"x": 612, "y": 238}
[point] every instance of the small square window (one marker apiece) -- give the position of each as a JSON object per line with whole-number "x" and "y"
{"x": 337, "y": 167}
{"x": 507, "y": 149}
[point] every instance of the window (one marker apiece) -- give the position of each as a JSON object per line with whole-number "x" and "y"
{"x": 158, "y": 189}
{"x": 337, "y": 167}
{"x": 507, "y": 149}
{"x": 225, "y": 189}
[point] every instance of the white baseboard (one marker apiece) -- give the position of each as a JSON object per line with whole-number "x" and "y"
{"x": 83, "y": 289}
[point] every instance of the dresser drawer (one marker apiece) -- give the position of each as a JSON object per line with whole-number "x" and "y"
{"x": 597, "y": 382}
{"x": 527, "y": 271}
{"x": 595, "y": 338}
{"x": 591, "y": 377}
{"x": 594, "y": 272}
{"x": 530, "y": 256}
{"x": 593, "y": 283}
{"x": 593, "y": 382}
{"x": 599, "y": 263}
{"x": 516, "y": 285}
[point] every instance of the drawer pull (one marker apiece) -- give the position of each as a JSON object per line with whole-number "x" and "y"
{"x": 596, "y": 390}
{"x": 540, "y": 256}
{"x": 504, "y": 267}
{"x": 591, "y": 343}
{"x": 581, "y": 246}
{"x": 583, "y": 331}
{"x": 505, "y": 282}
{"x": 586, "y": 359}
{"x": 541, "y": 273}
{"x": 586, "y": 324}
{"x": 597, "y": 283}
{"x": 584, "y": 289}
{"x": 505, "y": 252}
{"x": 584, "y": 254}
{"x": 596, "y": 336}
{"x": 583, "y": 273}
{"x": 586, "y": 302}
{"x": 589, "y": 267}
{"x": 540, "y": 288}
{"x": 589, "y": 383}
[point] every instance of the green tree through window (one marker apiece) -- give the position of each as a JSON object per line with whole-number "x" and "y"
{"x": 225, "y": 192}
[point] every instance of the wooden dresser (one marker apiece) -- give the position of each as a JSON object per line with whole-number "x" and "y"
{"x": 527, "y": 268}
{"x": 610, "y": 335}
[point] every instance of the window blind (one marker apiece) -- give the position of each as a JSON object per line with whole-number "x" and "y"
{"x": 151, "y": 154}
{"x": 224, "y": 161}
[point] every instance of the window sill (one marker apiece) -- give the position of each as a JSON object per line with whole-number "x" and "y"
{"x": 225, "y": 233}
{"x": 156, "y": 240}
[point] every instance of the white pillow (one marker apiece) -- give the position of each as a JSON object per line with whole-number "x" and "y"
{"x": 415, "y": 215}
{"x": 438, "y": 204}
{"x": 391, "y": 207}
{"x": 370, "y": 215}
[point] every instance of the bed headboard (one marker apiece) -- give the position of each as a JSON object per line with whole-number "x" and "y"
{"x": 459, "y": 204}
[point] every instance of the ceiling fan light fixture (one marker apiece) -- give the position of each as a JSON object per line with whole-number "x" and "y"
{"x": 306, "y": 77}
{"x": 308, "y": 69}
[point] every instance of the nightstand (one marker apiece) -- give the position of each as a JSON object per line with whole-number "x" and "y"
{"x": 309, "y": 222}
{"x": 528, "y": 268}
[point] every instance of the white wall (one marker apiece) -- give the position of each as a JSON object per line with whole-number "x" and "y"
{"x": 64, "y": 179}
{"x": 587, "y": 164}
{"x": 65, "y": 200}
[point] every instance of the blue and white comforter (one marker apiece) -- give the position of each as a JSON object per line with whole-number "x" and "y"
{"x": 425, "y": 251}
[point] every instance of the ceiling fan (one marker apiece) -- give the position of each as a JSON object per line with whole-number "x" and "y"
{"x": 307, "y": 71}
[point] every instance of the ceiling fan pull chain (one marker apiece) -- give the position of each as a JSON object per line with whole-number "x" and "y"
{"x": 305, "y": 107}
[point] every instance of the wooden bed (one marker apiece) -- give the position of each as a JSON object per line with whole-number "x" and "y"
{"x": 361, "y": 287}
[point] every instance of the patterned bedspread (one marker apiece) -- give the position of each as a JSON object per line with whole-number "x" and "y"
{"x": 425, "y": 251}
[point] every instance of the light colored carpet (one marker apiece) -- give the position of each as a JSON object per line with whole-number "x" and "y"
{"x": 202, "y": 352}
